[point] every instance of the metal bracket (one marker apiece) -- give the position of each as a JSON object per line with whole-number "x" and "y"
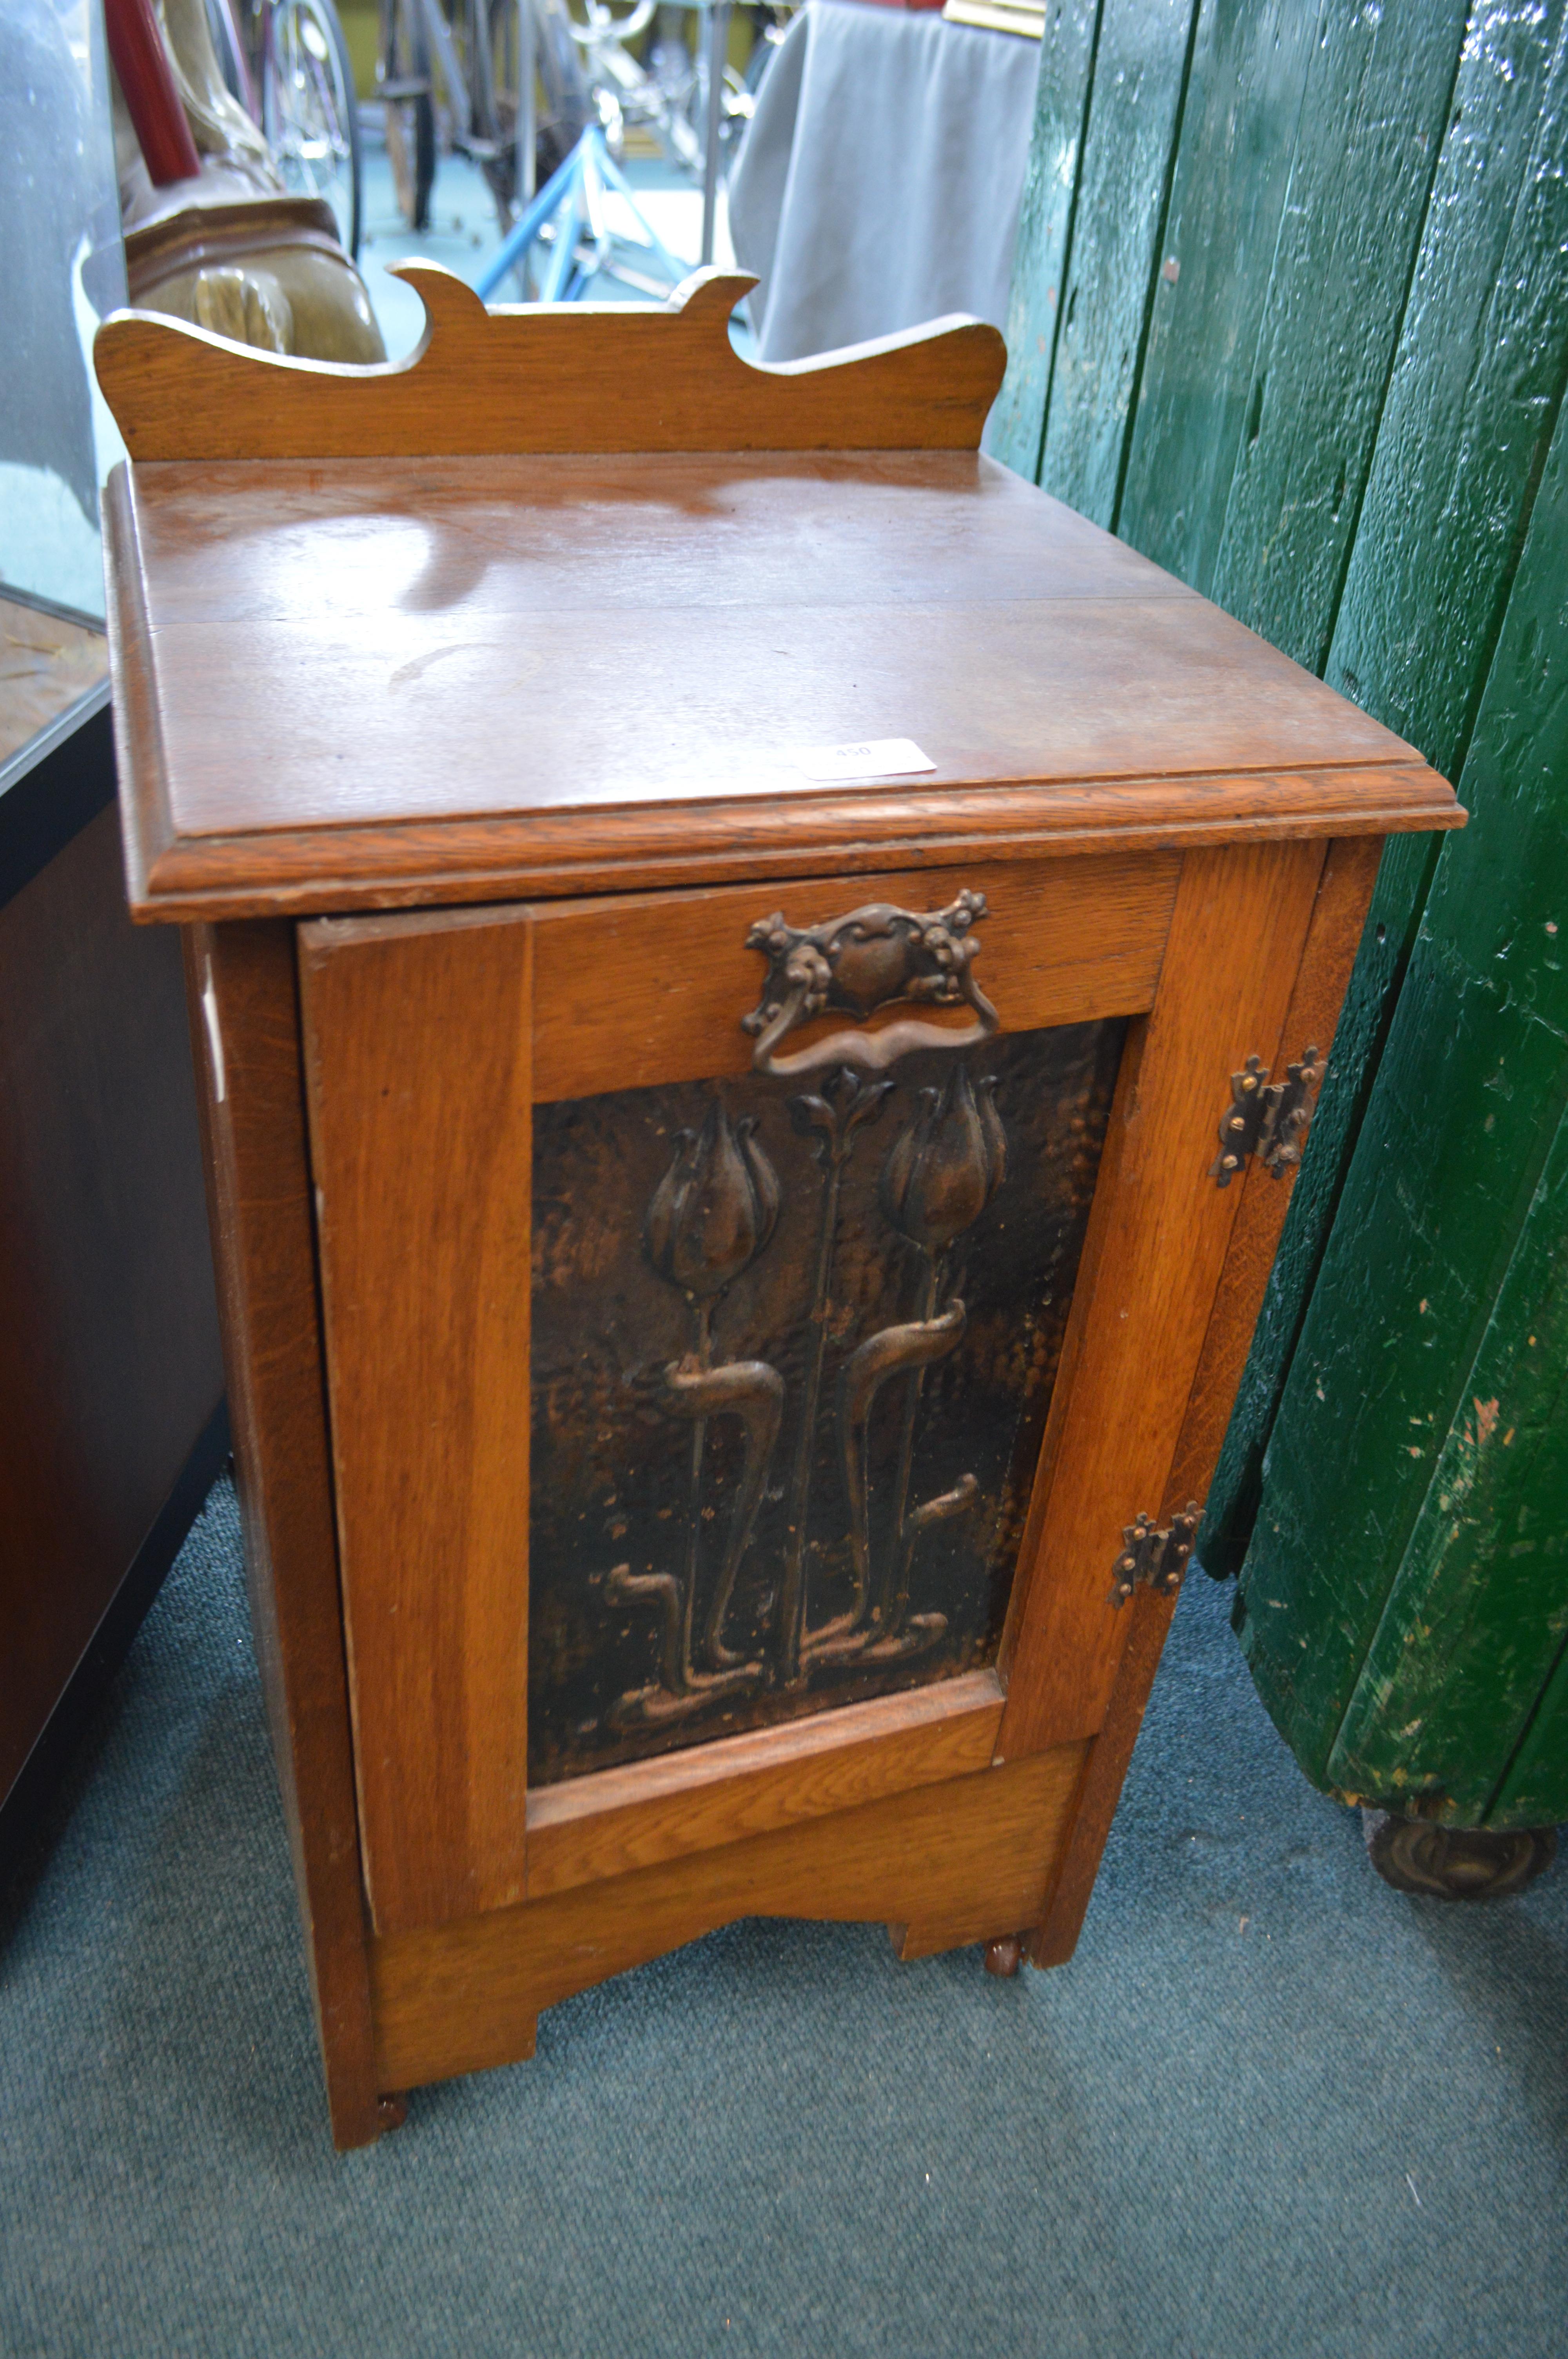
{"x": 1267, "y": 1118}
{"x": 1152, "y": 1558}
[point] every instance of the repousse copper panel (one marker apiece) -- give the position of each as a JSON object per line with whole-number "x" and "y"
{"x": 792, "y": 1352}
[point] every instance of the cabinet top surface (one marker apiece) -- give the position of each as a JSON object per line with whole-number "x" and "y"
{"x": 419, "y": 639}
{"x": 368, "y": 680}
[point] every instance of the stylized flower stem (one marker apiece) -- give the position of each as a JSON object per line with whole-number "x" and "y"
{"x": 896, "y": 1585}
{"x": 752, "y": 1391}
{"x": 704, "y": 1358}
{"x": 844, "y": 1105}
{"x": 891, "y": 1352}
{"x": 941, "y": 1172}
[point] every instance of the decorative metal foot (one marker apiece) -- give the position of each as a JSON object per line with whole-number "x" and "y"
{"x": 1004, "y": 1955}
{"x": 1457, "y": 1862}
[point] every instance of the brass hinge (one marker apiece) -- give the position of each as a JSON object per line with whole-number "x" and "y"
{"x": 1267, "y": 1118}
{"x": 1152, "y": 1558}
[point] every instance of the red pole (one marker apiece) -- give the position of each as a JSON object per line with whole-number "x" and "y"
{"x": 146, "y": 78}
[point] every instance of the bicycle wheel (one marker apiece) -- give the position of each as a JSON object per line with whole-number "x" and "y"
{"x": 403, "y": 79}
{"x": 309, "y": 111}
{"x": 485, "y": 42}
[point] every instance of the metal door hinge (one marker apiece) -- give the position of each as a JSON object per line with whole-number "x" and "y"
{"x": 1156, "y": 1560}
{"x": 1267, "y": 1118}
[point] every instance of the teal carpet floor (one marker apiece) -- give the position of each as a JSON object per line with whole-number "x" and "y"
{"x": 1272, "y": 2108}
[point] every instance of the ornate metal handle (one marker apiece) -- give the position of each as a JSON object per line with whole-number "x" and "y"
{"x": 858, "y": 964}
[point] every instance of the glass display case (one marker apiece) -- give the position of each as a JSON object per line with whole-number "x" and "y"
{"x": 64, "y": 271}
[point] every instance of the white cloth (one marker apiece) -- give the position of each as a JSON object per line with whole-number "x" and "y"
{"x": 879, "y": 183}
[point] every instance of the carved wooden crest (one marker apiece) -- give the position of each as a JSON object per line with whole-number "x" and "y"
{"x": 542, "y": 377}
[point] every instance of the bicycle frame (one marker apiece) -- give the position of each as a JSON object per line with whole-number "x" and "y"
{"x": 574, "y": 192}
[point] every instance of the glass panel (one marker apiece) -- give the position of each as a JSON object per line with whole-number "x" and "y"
{"x": 64, "y": 270}
{"x": 792, "y": 1351}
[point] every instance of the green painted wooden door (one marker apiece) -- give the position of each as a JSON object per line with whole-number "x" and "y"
{"x": 1290, "y": 313}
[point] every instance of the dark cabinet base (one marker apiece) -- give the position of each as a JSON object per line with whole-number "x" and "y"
{"x": 22, "y": 1812}
{"x": 110, "y": 1373}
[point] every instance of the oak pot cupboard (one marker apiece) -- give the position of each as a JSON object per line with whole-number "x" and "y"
{"x": 757, "y": 984}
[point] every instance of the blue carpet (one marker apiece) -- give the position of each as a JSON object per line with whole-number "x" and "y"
{"x": 1272, "y": 2107}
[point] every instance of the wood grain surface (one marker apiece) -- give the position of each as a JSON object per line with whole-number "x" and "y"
{"x": 975, "y": 1854}
{"x": 645, "y": 989}
{"x": 1141, "y": 57}
{"x": 1345, "y": 887}
{"x": 418, "y": 1091}
{"x": 1151, "y": 1268}
{"x": 1339, "y": 914}
{"x": 391, "y": 645}
{"x": 1455, "y": 478}
{"x": 304, "y": 871}
{"x": 619, "y": 1820}
{"x": 1404, "y": 1598}
{"x": 344, "y": 692}
{"x": 1052, "y": 1936}
{"x": 417, "y": 1051}
{"x": 1045, "y": 227}
{"x": 1367, "y": 139}
{"x": 1207, "y": 296}
{"x": 569, "y": 376}
{"x": 245, "y": 1035}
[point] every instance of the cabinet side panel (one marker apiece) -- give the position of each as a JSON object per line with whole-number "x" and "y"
{"x": 418, "y": 1056}
{"x": 246, "y": 1032}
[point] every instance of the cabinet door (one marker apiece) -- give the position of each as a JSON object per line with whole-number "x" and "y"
{"x": 692, "y": 1378}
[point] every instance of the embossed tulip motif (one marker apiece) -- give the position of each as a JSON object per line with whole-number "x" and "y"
{"x": 709, "y": 1217}
{"x": 715, "y": 1209}
{"x": 947, "y": 1165}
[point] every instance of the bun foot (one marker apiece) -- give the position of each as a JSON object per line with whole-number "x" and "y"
{"x": 1004, "y": 1955}
{"x": 392, "y": 2112}
{"x": 1455, "y": 1862}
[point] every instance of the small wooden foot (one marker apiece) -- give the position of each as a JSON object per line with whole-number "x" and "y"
{"x": 392, "y": 2112}
{"x": 1004, "y": 1955}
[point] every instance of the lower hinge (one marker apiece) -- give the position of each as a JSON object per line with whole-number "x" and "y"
{"x": 1156, "y": 1560}
{"x": 1267, "y": 1119}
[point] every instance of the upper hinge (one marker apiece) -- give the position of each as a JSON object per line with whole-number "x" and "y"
{"x": 1152, "y": 1558}
{"x": 1267, "y": 1118}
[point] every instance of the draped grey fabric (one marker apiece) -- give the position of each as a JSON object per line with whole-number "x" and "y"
{"x": 880, "y": 180}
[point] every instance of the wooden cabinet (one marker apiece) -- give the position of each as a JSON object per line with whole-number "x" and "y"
{"x": 728, "y": 934}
